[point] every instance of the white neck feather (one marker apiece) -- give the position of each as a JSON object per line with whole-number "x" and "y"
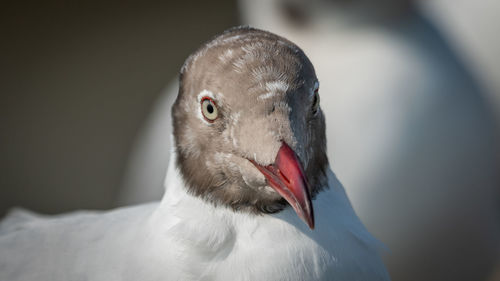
{"x": 219, "y": 243}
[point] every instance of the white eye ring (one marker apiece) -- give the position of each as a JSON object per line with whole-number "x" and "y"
{"x": 209, "y": 109}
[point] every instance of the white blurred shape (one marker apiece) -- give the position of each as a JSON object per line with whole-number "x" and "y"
{"x": 148, "y": 161}
{"x": 472, "y": 26}
{"x": 409, "y": 135}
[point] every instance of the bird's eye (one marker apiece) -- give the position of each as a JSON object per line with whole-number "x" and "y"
{"x": 209, "y": 109}
{"x": 315, "y": 103}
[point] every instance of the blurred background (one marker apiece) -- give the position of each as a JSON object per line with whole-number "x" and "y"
{"x": 411, "y": 91}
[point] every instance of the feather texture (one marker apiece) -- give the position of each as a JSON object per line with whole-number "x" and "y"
{"x": 185, "y": 238}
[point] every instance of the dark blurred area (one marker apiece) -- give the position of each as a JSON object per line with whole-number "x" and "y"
{"x": 77, "y": 80}
{"x": 410, "y": 88}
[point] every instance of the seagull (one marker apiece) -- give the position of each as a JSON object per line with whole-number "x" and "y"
{"x": 413, "y": 145}
{"x": 249, "y": 193}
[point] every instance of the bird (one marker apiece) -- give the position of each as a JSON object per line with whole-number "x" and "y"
{"x": 249, "y": 192}
{"x": 413, "y": 144}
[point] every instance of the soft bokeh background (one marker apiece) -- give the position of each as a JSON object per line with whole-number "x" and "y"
{"x": 411, "y": 91}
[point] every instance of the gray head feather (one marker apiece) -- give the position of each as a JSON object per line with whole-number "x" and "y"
{"x": 262, "y": 86}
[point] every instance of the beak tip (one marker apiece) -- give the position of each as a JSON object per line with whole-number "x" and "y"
{"x": 311, "y": 225}
{"x": 309, "y": 220}
{"x": 287, "y": 177}
{"x": 306, "y": 213}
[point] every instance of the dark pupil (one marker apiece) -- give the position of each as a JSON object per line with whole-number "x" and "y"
{"x": 210, "y": 108}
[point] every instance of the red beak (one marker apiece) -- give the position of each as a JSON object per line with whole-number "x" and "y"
{"x": 286, "y": 176}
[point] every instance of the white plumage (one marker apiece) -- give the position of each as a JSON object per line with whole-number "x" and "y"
{"x": 245, "y": 216}
{"x": 185, "y": 238}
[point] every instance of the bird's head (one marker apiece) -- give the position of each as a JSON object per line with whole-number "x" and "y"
{"x": 249, "y": 131}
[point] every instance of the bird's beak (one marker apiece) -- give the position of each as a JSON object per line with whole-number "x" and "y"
{"x": 286, "y": 176}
